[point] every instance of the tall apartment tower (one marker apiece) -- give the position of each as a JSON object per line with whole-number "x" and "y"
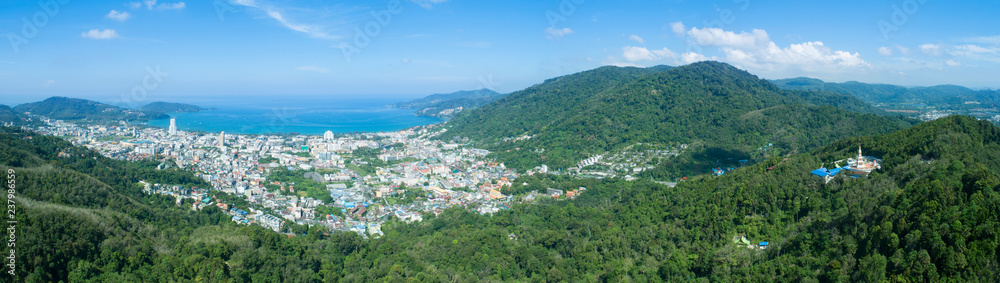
{"x": 222, "y": 139}
{"x": 173, "y": 127}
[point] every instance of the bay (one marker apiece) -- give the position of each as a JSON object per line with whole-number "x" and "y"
{"x": 304, "y": 116}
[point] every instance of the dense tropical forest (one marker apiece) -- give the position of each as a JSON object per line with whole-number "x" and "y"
{"x": 720, "y": 111}
{"x": 931, "y": 214}
{"x": 64, "y": 108}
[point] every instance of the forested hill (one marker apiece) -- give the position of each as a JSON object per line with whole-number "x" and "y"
{"x": 712, "y": 106}
{"x": 930, "y": 215}
{"x": 65, "y": 108}
{"x": 537, "y": 106}
{"x": 447, "y": 104}
{"x": 9, "y": 115}
{"x": 171, "y": 107}
{"x": 886, "y": 93}
{"x": 443, "y": 97}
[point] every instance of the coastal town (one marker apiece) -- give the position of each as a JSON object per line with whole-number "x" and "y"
{"x": 345, "y": 182}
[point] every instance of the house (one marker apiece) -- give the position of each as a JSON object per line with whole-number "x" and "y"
{"x": 762, "y": 245}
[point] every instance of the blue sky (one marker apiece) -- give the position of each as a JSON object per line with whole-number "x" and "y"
{"x": 131, "y": 52}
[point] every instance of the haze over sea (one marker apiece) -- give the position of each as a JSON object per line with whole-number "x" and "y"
{"x": 311, "y": 116}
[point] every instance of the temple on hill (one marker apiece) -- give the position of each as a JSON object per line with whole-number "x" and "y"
{"x": 862, "y": 165}
{"x": 858, "y": 166}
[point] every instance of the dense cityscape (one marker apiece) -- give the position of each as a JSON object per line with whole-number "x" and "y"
{"x": 416, "y": 175}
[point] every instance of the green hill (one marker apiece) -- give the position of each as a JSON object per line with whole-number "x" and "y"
{"x": 714, "y": 107}
{"x": 912, "y": 221}
{"x": 64, "y": 108}
{"x": 885, "y": 93}
{"x": 170, "y": 107}
{"x": 447, "y": 104}
{"x": 9, "y": 115}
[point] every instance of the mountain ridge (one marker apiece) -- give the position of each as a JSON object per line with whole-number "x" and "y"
{"x": 889, "y": 93}
{"x": 65, "y": 108}
{"x": 445, "y": 105}
{"x": 602, "y": 110}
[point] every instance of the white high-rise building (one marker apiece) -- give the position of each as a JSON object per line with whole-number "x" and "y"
{"x": 328, "y": 135}
{"x": 222, "y": 138}
{"x": 173, "y": 127}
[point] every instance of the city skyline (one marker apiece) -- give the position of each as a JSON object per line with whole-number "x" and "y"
{"x": 178, "y": 51}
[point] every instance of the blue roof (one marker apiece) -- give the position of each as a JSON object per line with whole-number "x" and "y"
{"x": 834, "y": 171}
{"x": 763, "y": 243}
{"x": 822, "y": 172}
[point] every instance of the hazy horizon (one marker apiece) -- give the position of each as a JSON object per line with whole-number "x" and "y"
{"x": 206, "y": 101}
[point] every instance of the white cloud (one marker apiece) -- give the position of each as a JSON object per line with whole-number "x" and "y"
{"x": 634, "y": 54}
{"x": 903, "y": 49}
{"x": 756, "y": 50}
{"x": 150, "y": 4}
{"x": 952, "y": 63}
{"x": 972, "y": 49}
{"x": 885, "y": 51}
{"x": 931, "y": 49}
{"x": 428, "y": 3}
{"x": 118, "y": 16}
{"x": 976, "y": 52}
{"x": 678, "y": 28}
{"x": 171, "y": 6}
{"x": 719, "y": 37}
{"x": 691, "y": 57}
{"x": 310, "y": 30}
{"x": 314, "y": 69}
{"x": 636, "y": 38}
{"x": 557, "y": 33}
{"x": 995, "y": 40}
{"x": 48, "y": 83}
{"x": 100, "y": 34}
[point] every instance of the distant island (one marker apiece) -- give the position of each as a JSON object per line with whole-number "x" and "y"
{"x": 171, "y": 107}
{"x": 446, "y": 105}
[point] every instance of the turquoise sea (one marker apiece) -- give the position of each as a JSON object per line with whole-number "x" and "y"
{"x": 304, "y": 116}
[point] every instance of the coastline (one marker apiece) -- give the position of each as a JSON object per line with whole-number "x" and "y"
{"x": 303, "y": 120}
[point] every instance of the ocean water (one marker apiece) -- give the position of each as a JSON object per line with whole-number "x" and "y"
{"x": 309, "y": 116}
